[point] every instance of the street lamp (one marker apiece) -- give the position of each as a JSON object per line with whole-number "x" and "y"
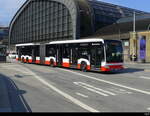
{"x": 134, "y": 36}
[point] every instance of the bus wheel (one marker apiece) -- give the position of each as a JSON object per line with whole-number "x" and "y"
{"x": 51, "y": 63}
{"x": 27, "y": 60}
{"x": 83, "y": 67}
{"x": 22, "y": 61}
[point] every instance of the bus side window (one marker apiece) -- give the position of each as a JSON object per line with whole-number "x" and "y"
{"x": 83, "y": 53}
{"x": 100, "y": 53}
{"x": 93, "y": 55}
{"x": 66, "y": 51}
{"x": 75, "y": 54}
{"x": 51, "y": 52}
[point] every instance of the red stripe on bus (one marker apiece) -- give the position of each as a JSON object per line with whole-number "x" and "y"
{"x": 17, "y": 59}
{"x": 30, "y": 61}
{"x": 37, "y": 61}
{"x": 88, "y": 67}
{"x": 79, "y": 66}
{"x": 67, "y": 65}
{"x": 25, "y": 60}
{"x": 104, "y": 69}
{"x": 55, "y": 64}
{"x": 47, "y": 62}
{"x": 116, "y": 67}
{"x": 119, "y": 67}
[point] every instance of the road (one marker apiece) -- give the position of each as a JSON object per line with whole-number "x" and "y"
{"x": 37, "y": 88}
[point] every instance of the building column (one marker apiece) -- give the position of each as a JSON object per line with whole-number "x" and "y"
{"x": 133, "y": 46}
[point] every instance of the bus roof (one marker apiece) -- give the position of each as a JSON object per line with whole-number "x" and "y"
{"x": 77, "y": 41}
{"x": 27, "y": 44}
{"x": 66, "y": 42}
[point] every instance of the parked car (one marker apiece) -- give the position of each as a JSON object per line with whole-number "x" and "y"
{"x": 12, "y": 55}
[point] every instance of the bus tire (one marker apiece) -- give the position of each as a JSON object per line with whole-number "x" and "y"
{"x": 83, "y": 67}
{"x": 22, "y": 60}
{"x": 27, "y": 60}
{"x": 52, "y": 63}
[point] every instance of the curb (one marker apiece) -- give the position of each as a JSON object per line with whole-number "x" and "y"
{"x": 4, "y": 97}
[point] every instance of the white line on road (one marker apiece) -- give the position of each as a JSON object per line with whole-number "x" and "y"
{"x": 95, "y": 88}
{"x": 119, "y": 91}
{"x": 80, "y": 94}
{"x": 67, "y": 96}
{"x": 108, "y": 92}
{"x": 148, "y": 108}
{"x": 143, "y": 77}
{"x": 90, "y": 89}
{"x": 108, "y": 82}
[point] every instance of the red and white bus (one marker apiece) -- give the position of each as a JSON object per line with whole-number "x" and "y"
{"x": 83, "y": 54}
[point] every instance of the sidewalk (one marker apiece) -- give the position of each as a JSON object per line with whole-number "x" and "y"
{"x": 4, "y": 98}
{"x": 136, "y": 65}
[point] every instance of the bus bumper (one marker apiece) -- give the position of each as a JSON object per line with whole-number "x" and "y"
{"x": 112, "y": 68}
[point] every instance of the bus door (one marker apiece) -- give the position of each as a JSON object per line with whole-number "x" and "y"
{"x": 97, "y": 55}
{"x": 18, "y": 52}
{"x": 75, "y": 55}
{"x": 42, "y": 53}
{"x": 59, "y": 54}
{"x": 35, "y": 53}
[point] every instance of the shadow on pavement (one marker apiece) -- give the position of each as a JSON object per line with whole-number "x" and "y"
{"x": 124, "y": 71}
{"x": 131, "y": 70}
{"x": 15, "y": 95}
{"x": 127, "y": 70}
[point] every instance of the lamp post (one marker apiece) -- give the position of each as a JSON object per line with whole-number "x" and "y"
{"x": 134, "y": 21}
{"x": 134, "y": 37}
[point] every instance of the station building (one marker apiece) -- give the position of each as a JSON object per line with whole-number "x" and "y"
{"x": 42, "y": 21}
{"x": 136, "y": 43}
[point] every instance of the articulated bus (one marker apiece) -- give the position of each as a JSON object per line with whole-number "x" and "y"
{"x": 85, "y": 54}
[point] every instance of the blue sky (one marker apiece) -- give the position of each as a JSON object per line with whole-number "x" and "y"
{"x": 8, "y": 8}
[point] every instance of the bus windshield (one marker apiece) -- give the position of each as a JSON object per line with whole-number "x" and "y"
{"x": 114, "y": 51}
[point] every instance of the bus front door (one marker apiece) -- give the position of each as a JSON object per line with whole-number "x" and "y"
{"x": 97, "y": 57}
{"x": 59, "y": 55}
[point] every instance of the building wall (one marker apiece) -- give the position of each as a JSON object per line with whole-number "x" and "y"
{"x": 147, "y": 35}
{"x": 49, "y": 20}
{"x": 42, "y": 21}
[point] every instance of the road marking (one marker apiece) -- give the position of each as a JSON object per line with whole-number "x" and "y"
{"x": 95, "y": 88}
{"x": 142, "y": 77}
{"x": 80, "y": 94}
{"x": 148, "y": 108}
{"x": 108, "y": 82}
{"x": 119, "y": 91}
{"x": 90, "y": 89}
{"x": 67, "y": 96}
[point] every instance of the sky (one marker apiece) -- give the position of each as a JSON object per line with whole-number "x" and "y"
{"x": 8, "y": 8}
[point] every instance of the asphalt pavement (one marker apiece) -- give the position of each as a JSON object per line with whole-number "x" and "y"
{"x": 4, "y": 98}
{"x": 38, "y": 88}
